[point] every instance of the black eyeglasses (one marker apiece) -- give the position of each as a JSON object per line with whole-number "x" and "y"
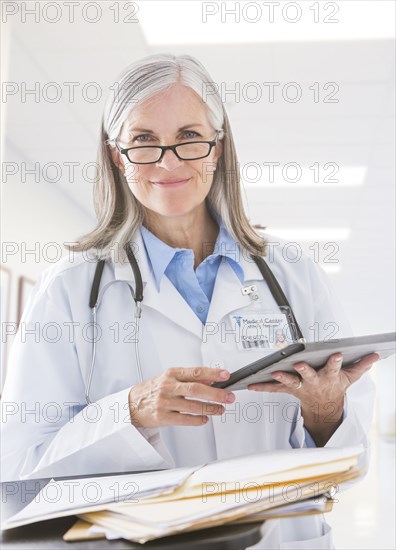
{"x": 149, "y": 154}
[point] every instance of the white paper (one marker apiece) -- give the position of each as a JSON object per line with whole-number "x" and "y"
{"x": 60, "y": 498}
{"x": 270, "y": 462}
{"x": 307, "y": 505}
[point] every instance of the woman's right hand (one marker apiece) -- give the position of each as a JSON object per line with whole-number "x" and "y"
{"x": 170, "y": 399}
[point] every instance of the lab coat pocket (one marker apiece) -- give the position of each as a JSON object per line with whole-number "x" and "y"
{"x": 324, "y": 542}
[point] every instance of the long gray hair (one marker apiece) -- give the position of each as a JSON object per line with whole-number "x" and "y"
{"x": 119, "y": 213}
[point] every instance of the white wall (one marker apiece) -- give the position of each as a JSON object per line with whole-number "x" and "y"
{"x": 36, "y": 217}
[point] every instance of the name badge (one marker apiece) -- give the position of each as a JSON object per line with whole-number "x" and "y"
{"x": 261, "y": 331}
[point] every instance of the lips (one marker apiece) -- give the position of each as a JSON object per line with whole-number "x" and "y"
{"x": 171, "y": 182}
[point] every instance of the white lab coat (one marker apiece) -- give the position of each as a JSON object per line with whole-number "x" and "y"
{"x": 49, "y": 431}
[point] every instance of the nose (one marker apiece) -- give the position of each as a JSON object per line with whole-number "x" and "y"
{"x": 169, "y": 161}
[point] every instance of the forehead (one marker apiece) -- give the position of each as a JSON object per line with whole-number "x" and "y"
{"x": 168, "y": 109}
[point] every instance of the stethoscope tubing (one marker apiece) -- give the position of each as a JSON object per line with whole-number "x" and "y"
{"x": 138, "y": 313}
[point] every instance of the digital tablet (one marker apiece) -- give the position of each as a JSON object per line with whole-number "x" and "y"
{"x": 315, "y": 354}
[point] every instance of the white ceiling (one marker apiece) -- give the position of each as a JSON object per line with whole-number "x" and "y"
{"x": 356, "y": 131}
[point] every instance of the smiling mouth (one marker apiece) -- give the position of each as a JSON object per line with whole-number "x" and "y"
{"x": 171, "y": 182}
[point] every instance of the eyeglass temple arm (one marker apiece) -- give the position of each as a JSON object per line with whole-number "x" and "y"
{"x": 111, "y": 142}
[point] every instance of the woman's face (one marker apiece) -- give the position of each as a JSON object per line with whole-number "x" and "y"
{"x": 170, "y": 187}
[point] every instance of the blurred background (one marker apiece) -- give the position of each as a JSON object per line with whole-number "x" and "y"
{"x": 309, "y": 89}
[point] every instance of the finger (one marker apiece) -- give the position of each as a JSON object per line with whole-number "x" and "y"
{"x": 271, "y": 387}
{"x": 333, "y": 365}
{"x": 307, "y": 373}
{"x": 356, "y": 370}
{"x": 180, "y": 404}
{"x": 367, "y": 360}
{"x": 202, "y": 391}
{"x": 205, "y": 375}
{"x": 288, "y": 380}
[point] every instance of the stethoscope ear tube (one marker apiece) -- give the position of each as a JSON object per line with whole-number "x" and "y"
{"x": 137, "y": 274}
{"x": 138, "y": 296}
{"x": 93, "y": 298}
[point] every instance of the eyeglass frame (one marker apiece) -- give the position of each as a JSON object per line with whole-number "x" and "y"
{"x": 164, "y": 148}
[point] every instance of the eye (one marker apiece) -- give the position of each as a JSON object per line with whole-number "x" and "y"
{"x": 142, "y": 138}
{"x": 191, "y": 134}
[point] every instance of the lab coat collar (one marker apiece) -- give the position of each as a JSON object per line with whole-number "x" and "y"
{"x": 227, "y": 294}
{"x": 169, "y": 302}
{"x": 123, "y": 270}
{"x": 249, "y": 266}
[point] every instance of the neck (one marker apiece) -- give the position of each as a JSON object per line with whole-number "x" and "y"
{"x": 196, "y": 230}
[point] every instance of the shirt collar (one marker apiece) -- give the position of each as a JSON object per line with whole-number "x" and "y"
{"x": 161, "y": 254}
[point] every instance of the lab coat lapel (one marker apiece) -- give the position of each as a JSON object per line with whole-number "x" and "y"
{"x": 227, "y": 293}
{"x": 168, "y": 301}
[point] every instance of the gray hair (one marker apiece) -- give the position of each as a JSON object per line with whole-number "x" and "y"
{"x": 118, "y": 212}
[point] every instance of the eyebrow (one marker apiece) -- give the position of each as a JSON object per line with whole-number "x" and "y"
{"x": 193, "y": 124}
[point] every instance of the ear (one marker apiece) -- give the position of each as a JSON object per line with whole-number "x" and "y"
{"x": 218, "y": 150}
{"x": 116, "y": 158}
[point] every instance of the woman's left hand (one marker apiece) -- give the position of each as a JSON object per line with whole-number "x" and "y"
{"x": 321, "y": 392}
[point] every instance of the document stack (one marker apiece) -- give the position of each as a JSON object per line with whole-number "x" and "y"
{"x": 146, "y": 506}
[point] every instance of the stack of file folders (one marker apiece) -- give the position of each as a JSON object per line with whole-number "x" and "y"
{"x": 146, "y": 506}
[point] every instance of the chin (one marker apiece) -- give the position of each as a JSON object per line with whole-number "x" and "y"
{"x": 174, "y": 212}
{"x": 174, "y": 209}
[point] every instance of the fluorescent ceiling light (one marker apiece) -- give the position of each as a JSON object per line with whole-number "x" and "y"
{"x": 205, "y": 22}
{"x": 309, "y": 234}
{"x": 254, "y": 175}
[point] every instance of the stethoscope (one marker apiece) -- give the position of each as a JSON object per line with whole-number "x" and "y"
{"x": 137, "y": 294}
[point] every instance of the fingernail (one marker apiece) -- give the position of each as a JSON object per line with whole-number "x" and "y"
{"x": 300, "y": 368}
{"x": 230, "y": 397}
{"x": 224, "y": 374}
{"x": 277, "y": 376}
{"x": 338, "y": 359}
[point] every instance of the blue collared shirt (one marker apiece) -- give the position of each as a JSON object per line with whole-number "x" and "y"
{"x": 177, "y": 264}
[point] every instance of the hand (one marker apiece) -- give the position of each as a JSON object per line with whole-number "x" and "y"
{"x": 326, "y": 384}
{"x": 321, "y": 392}
{"x": 165, "y": 400}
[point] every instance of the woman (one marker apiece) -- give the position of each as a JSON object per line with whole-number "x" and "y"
{"x": 181, "y": 212}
